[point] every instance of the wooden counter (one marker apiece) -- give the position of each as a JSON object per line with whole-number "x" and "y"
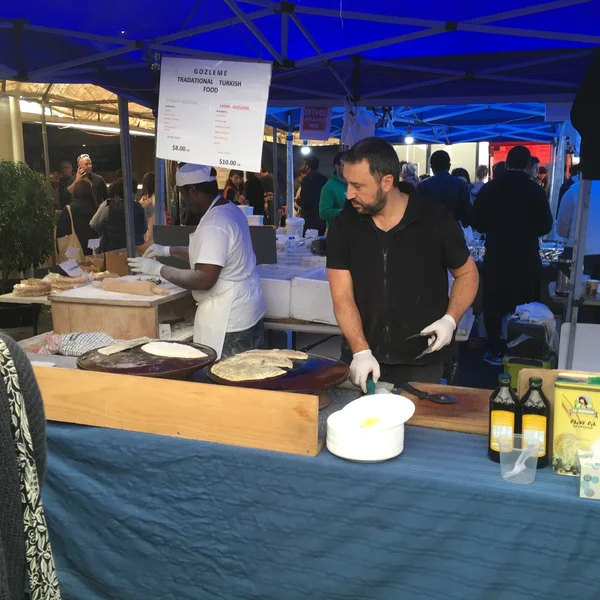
{"x": 123, "y": 316}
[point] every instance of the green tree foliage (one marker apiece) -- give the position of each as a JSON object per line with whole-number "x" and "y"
{"x": 27, "y": 219}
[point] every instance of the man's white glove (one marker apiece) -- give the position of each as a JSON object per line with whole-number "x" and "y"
{"x": 363, "y": 364}
{"x": 440, "y": 332}
{"x": 157, "y": 251}
{"x": 146, "y": 266}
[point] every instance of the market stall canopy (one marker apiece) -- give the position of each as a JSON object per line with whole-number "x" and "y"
{"x": 83, "y": 103}
{"x": 525, "y": 121}
{"x": 323, "y": 50}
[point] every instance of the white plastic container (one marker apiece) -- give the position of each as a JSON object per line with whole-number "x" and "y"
{"x": 247, "y": 210}
{"x": 255, "y": 219}
{"x": 295, "y": 226}
{"x": 311, "y": 298}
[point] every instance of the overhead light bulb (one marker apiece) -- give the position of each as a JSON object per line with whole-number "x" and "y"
{"x": 305, "y": 149}
{"x": 408, "y": 138}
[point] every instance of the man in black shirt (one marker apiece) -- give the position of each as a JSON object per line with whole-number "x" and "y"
{"x": 310, "y": 195}
{"x": 388, "y": 258}
{"x": 513, "y": 212}
{"x": 446, "y": 189}
{"x": 84, "y": 170}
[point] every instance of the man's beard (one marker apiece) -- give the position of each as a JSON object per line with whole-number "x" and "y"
{"x": 378, "y": 205}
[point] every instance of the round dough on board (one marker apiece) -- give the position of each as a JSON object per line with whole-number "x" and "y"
{"x": 172, "y": 350}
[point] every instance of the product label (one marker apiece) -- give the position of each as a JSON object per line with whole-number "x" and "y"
{"x": 503, "y": 425}
{"x": 534, "y": 431}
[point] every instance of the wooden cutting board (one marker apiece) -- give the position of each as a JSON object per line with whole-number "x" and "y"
{"x": 470, "y": 414}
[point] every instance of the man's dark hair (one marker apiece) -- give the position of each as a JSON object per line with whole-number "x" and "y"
{"x": 312, "y": 162}
{"x": 498, "y": 169}
{"x": 117, "y": 190}
{"x": 574, "y": 170}
{"x": 460, "y": 172}
{"x": 534, "y": 160}
{"x": 380, "y": 155}
{"x": 439, "y": 161}
{"x": 338, "y": 158}
{"x": 519, "y": 158}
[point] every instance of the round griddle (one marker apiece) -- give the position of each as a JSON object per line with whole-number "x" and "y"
{"x": 137, "y": 362}
{"x": 312, "y": 376}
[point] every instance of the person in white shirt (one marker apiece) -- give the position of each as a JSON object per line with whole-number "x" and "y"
{"x": 222, "y": 273}
{"x": 565, "y": 226}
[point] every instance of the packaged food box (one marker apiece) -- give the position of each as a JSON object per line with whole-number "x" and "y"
{"x": 576, "y": 422}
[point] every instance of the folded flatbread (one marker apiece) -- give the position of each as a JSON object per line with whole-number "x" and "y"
{"x": 173, "y": 350}
{"x": 240, "y": 371}
{"x": 290, "y": 354}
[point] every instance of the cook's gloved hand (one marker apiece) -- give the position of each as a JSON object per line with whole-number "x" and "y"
{"x": 156, "y": 251}
{"x": 363, "y": 364}
{"x": 440, "y": 333}
{"x": 145, "y": 266}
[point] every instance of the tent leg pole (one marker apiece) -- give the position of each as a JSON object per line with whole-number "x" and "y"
{"x": 583, "y": 205}
{"x": 275, "y": 221}
{"x": 558, "y": 169}
{"x": 45, "y": 145}
{"x": 290, "y": 175}
{"x": 159, "y": 191}
{"x": 127, "y": 178}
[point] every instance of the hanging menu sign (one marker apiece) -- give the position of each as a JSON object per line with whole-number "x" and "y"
{"x": 212, "y": 112}
{"x": 315, "y": 123}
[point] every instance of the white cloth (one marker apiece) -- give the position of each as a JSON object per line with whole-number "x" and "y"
{"x": 567, "y": 218}
{"x": 223, "y": 238}
{"x": 357, "y": 126}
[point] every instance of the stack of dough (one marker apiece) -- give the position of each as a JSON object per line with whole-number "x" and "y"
{"x": 104, "y": 275}
{"x": 60, "y": 283}
{"x": 257, "y": 365}
{"x": 32, "y": 288}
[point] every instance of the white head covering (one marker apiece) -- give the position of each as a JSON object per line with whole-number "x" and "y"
{"x": 190, "y": 173}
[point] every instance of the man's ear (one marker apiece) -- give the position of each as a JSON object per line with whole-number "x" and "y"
{"x": 387, "y": 182}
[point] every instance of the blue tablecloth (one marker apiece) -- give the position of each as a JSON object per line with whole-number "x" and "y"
{"x": 135, "y": 516}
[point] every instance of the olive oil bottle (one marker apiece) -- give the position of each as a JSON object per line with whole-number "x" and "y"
{"x": 535, "y": 409}
{"x": 505, "y": 415}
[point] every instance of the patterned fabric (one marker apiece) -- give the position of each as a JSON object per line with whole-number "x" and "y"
{"x": 75, "y": 344}
{"x": 43, "y": 583}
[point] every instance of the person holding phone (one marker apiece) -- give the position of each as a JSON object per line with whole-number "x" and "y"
{"x": 84, "y": 171}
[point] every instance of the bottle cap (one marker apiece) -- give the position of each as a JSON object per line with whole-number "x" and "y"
{"x": 535, "y": 381}
{"x": 504, "y": 378}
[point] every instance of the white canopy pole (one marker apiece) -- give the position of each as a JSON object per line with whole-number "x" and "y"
{"x": 290, "y": 170}
{"x": 583, "y": 205}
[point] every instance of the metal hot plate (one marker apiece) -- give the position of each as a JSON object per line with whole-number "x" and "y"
{"x": 312, "y": 376}
{"x": 137, "y": 362}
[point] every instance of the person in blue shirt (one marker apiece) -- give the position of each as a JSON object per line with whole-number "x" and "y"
{"x": 446, "y": 189}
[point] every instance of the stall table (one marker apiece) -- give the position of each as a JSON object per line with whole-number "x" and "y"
{"x": 123, "y": 316}
{"x": 36, "y": 303}
{"x": 136, "y": 516}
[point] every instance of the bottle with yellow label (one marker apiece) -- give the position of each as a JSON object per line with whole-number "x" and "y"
{"x": 535, "y": 409}
{"x": 504, "y": 415}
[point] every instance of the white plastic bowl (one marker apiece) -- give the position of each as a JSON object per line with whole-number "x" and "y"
{"x": 255, "y": 219}
{"x": 247, "y": 210}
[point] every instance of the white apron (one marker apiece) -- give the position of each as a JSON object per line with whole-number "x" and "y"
{"x": 214, "y": 305}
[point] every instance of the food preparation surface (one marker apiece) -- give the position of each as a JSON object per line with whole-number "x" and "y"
{"x": 137, "y": 362}
{"x": 12, "y": 299}
{"x": 89, "y": 294}
{"x": 317, "y": 374}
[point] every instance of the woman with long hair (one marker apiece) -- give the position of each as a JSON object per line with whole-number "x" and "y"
{"x": 234, "y": 188}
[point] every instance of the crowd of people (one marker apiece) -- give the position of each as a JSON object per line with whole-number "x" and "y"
{"x": 92, "y": 210}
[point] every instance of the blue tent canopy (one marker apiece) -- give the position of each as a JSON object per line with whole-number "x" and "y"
{"x": 379, "y": 53}
{"x": 443, "y": 124}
